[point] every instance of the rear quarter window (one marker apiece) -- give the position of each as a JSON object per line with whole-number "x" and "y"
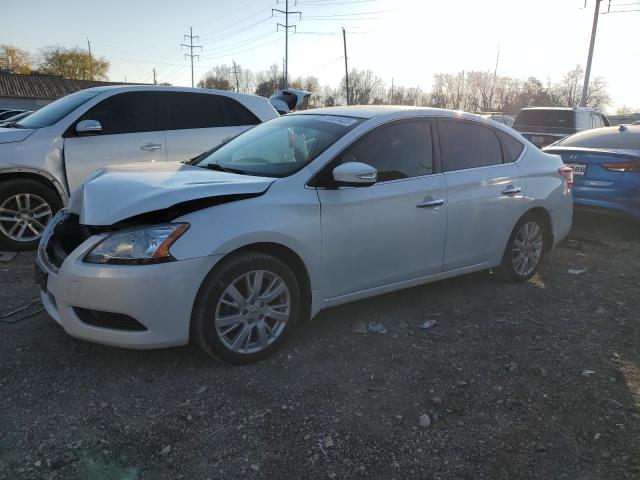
{"x": 514, "y": 147}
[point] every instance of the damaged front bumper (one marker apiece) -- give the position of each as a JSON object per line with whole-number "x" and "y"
{"x": 133, "y": 306}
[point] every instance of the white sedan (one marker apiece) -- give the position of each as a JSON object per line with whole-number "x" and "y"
{"x": 298, "y": 214}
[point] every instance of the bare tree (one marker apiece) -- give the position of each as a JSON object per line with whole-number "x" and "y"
{"x": 364, "y": 87}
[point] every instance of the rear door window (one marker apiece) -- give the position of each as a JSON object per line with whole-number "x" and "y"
{"x": 204, "y": 110}
{"x": 465, "y": 145}
{"x": 128, "y": 112}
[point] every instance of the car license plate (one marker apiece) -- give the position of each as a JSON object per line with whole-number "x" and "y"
{"x": 537, "y": 140}
{"x": 40, "y": 278}
{"x": 579, "y": 169}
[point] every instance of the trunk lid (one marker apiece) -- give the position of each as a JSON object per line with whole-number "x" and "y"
{"x": 587, "y": 163}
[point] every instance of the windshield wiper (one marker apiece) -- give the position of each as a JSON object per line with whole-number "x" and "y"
{"x": 12, "y": 125}
{"x": 219, "y": 168}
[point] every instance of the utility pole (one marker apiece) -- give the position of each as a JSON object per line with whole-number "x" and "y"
{"x": 154, "y": 77}
{"x": 391, "y": 99}
{"x": 286, "y": 27}
{"x": 191, "y": 46}
{"x": 493, "y": 82}
{"x": 587, "y": 72}
{"x": 235, "y": 73}
{"x": 346, "y": 68}
{"x": 90, "y": 61}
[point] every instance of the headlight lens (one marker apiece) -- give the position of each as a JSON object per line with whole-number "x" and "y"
{"x": 138, "y": 245}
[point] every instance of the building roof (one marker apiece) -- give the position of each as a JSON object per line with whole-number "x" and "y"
{"x": 43, "y": 86}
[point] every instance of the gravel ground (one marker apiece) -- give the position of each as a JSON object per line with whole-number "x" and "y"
{"x": 540, "y": 380}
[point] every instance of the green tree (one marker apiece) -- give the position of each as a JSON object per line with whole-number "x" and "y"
{"x": 14, "y": 59}
{"x": 74, "y": 63}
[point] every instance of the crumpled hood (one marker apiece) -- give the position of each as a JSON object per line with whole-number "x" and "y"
{"x": 9, "y": 135}
{"x": 116, "y": 193}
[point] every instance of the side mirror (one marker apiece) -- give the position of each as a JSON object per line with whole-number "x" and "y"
{"x": 355, "y": 174}
{"x": 88, "y": 127}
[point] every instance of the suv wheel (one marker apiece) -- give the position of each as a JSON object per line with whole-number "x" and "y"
{"x": 525, "y": 250}
{"x": 245, "y": 308}
{"x": 26, "y": 206}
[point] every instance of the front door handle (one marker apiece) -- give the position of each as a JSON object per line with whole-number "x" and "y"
{"x": 510, "y": 190}
{"x": 430, "y": 203}
{"x": 151, "y": 147}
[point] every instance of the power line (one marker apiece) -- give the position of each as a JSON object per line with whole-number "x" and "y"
{"x": 242, "y": 43}
{"x": 191, "y": 46}
{"x": 356, "y": 14}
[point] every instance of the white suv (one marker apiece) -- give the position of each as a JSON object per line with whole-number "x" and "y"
{"x": 47, "y": 155}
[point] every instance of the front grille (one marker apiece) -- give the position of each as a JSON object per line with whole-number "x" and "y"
{"x": 66, "y": 236}
{"x": 113, "y": 321}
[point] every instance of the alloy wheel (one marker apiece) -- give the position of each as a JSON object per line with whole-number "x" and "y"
{"x": 24, "y": 217}
{"x": 253, "y": 311}
{"x": 527, "y": 248}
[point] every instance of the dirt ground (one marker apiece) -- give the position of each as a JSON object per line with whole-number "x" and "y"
{"x": 540, "y": 380}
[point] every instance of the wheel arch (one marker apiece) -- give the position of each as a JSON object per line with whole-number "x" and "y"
{"x": 291, "y": 259}
{"x": 286, "y": 255}
{"x": 36, "y": 175}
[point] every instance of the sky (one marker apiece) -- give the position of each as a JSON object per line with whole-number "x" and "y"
{"x": 406, "y": 41}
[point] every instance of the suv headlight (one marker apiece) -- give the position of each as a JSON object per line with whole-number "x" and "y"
{"x": 140, "y": 245}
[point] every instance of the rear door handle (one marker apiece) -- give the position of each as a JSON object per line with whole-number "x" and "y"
{"x": 510, "y": 190}
{"x": 431, "y": 203}
{"x": 151, "y": 147}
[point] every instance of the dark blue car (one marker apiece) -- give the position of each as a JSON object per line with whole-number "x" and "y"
{"x": 606, "y": 168}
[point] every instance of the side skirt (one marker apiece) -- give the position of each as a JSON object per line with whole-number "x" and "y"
{"x": 392, "y": 287}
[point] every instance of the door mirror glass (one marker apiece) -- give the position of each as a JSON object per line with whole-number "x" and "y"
{"x": 355, "y": 174}
{"x": 88, "y": 127}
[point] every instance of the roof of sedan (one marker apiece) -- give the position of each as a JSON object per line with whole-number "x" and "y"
{"x": 371, "y": 111}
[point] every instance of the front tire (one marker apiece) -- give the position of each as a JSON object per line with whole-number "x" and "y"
{"x": 26, "y": 206}
{"x": 525, "y": 250}
{"x": 245, "y": 308}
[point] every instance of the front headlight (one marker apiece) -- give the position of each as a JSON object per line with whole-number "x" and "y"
{"x": 140, "y": 245}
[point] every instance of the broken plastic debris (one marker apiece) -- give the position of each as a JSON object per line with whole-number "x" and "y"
{"x": 577, "y": 271}
{"x": 377, "y": 327}
{"x": 428, "y": 324}
{"x": 586, "y": 372}
{"x": 425, "y": 421}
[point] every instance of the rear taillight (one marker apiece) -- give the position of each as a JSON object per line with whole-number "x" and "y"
{"x": 567, "y": 172}
{"x": 629, "y": 166}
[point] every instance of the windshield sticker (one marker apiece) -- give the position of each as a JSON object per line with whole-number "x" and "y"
{"x": 344, "y": 121}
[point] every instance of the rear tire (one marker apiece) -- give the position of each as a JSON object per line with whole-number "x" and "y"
{"x": 245, "y": 308}
{"x": 26, "y": 206}
{"x": 525, "y": 250}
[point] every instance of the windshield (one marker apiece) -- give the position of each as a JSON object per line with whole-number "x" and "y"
{"x": 611, "y": 138}
{"x": 53, "y": 112}
{"x": 546, "y": 118}
{"x": 280, "y": 146}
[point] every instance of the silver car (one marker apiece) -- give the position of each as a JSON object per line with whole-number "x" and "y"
{"x": 298, "y": 214}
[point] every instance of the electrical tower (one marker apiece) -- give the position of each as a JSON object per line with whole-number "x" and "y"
{"x": 286, "y": 27}
{"x": 191, "y": 46}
